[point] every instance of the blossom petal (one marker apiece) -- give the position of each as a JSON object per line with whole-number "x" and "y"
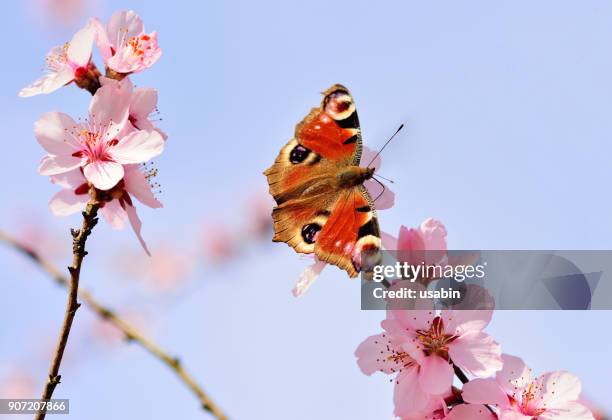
{"x": 160, "y": 131}
{"x": 70, "y": 180}
{"x": 66, "y": 202}
{"x": 419, "y": 319}
{"x": 122, "y": 26}
{"x": 308, "y": 277}
{"x": 53, "y": 165}
{"x": 515, "y": 375}
{"x": 373, "y": 355}
{"x": 109, "y": 108}
{"x": 124, "y": 84}
{"x": 436, "y": 408}
{"x": 389, "y": 241}
{"x": 414, "y": 349}
{"x": 137, "y": 185}
{"x": 434, "y": 234}
{"x": 435, "y": 375}
{"x": 48, "y": 83}
{"x": 477, "y": 353}
{"x": 559, "y": 387}
{"x": 143, "y": 124}
{"x": 461, "y": 322}
{"x": 408, "y": 396}
{"x": 568, "y": 411}
{"x": 511, "y": 414}
{"x": 410, "y": 239}
{"x": 143, "y": 103}
{"x": 127, "y": 60}
{"x": 104, "y": 175}
{"x": 485, "y": 391}
{"x": 101, "y": 38}
{"x": 54, "y": 131}
{"x": 470, "y": 412}
{"x": 393, "y": 327}
{"x": 137, "y": 147}
{"x": 114, "y": 214}
{"x": 79, "y": 50}
{"x": 137, "y": 226}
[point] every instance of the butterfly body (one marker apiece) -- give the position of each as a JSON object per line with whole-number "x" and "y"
{"x": 354, "y": 176}
{"x": 323, "y": 206}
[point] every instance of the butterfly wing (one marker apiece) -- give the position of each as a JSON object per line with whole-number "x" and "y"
{"x": 329, "y": 137}
{"x": 350, "y": 238}
{"x": 332, "y": 130}
{"x": 313, "y": 211}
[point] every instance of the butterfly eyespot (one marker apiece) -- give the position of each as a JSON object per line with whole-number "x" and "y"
{"x": 310, "y": 232}
{"x": 298, "y": 154}
{"x": 339, "y": 105}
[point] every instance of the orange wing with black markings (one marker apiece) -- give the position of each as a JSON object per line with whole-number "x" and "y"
{"x": 322, "y": 205}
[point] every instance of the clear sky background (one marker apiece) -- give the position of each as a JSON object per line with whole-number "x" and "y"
{"x": 507, "y": 107}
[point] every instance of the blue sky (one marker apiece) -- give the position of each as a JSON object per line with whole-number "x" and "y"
{"x": 507, "y": 109}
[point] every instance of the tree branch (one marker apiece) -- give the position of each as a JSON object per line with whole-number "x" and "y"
{"x": 79, "y": 237}
{"x": 130, "y": 332}
{"x": 460, "y": 374}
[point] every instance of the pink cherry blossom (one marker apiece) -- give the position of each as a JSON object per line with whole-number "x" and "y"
{"x": 124, "y": 45}
{"x": 430, "y": 235}
{"x": 458, "y": 412}
{"x": 65, "y": 63}
{"x": 422, "y": 346}
{"x": 517, "y": 395}
{"x": 425, "y": 243}
{"x": 415, "y": 393}
{"x": 101, "y": 145}
{"x": 142, "y": 104}
{"x": 74, "y": 198}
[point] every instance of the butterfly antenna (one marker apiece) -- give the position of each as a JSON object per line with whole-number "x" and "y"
{"x": 383, "y": 189}
{"x": 386, "y": 179}
{"x": 385, "y": 145}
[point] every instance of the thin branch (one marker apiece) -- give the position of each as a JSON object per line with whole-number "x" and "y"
{"x": 79, "y": 238}
{"x": 460, "y": 374}
{"x": 130, "y": 332}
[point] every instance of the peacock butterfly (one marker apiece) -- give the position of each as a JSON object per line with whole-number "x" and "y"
{"x": 323, "y": 206}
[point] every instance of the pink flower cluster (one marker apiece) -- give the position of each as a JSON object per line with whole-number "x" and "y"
{"x": 424, "y": 349}
{"x": 125, "y": 47}
{"x": 109, "y": 150}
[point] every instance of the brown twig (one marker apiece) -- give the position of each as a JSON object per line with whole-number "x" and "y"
{"x": 460, "y": 374}
{"x": 130, "y": 332}
{"x": 79, "y": 238}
